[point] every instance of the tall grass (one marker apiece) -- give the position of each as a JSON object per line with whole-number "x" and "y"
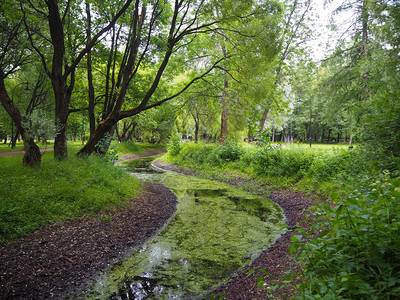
{"x": 57, "y": 191}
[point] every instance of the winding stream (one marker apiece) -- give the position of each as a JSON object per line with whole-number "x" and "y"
{"x": 215, "y": 230}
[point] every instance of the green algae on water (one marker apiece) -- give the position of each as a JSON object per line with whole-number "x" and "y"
{"x": 214, "y": 231}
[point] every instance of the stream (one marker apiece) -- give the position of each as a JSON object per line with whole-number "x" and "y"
{"x": 215, "y": 230}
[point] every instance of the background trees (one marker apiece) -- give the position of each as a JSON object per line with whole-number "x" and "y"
{"x": 231, "y": 66}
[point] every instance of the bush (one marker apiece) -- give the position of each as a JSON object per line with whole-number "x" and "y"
{"x": 357, "y": 252}
{"x": 230, "y": 151}
{"x": 174, "y": 144}
{"x": 283, "y": 162}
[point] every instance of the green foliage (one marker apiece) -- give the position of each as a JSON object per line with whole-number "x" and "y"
{"x": 230, "y": 150}
{"x": 174, "y": 143}
{"x": 283, "y": 162}
{"x": 357, "y": 252}
{"x": 57, "y": 191}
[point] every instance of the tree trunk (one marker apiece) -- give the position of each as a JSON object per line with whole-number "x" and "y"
{"x": 364, "y": 19}
{"x": 322, "y": 134}
{"x": 273, "y": 135}
{"x": 102, "y": 128}
{"x": 196, "y": 130}
{"x": 32, "y": 156}
{"x": 263, "y": 118}
{"x": 329, "y": 136}
{"x": 58, "y": 81}
{"x": 92, "y": 122}
{"x": 225, "y": 113}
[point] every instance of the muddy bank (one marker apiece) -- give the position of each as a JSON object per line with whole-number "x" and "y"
{"x": 276, "y": 260}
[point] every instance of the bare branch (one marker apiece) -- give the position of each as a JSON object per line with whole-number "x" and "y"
{"x": 32, "y": 43}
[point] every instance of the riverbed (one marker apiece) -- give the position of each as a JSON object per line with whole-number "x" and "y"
{"x": 215, "y": 231}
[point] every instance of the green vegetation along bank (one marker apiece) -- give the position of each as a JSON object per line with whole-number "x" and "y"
{"x": 58, "y": 191}
{"x": 356, "y": 254}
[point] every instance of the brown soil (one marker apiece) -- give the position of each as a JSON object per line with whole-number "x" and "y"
{"x": 59, "y": 257}
{"x": 276, "y": 260}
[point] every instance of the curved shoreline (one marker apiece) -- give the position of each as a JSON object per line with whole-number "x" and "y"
{"x": 58, "y": 258}
{"x": 276, "y": 260}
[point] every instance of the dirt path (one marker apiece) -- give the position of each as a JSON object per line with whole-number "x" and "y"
{"x": 20, "y": 152}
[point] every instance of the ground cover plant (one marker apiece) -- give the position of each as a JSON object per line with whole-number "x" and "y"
{"x": 57, "y": 191}
{"x": 355, "y": 253}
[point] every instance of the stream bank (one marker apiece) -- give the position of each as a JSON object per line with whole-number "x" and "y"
{"x": 276, "y": 260}
{"x": 60, "y": 257}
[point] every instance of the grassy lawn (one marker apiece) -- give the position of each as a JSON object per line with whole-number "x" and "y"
{"x": 60, "y": 190}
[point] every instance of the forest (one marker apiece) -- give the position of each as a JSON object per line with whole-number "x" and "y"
{"x": 296, "y": 101}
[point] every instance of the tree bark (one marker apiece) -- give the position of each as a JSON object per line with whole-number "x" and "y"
{"x": 58, "y": 81}
{"x": 263, "y": 119}
{"x": 32, "y": 156}
{"x": 224, "y": 115}
{"x": 92, "y": 121}
{"x": 273, "y": 135}
{"x": 364, "y": 46}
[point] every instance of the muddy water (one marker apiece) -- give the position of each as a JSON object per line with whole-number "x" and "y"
{"x": 215, "y": 230}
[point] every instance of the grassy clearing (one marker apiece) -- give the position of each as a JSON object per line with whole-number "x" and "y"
{"x": 58, "y": 191}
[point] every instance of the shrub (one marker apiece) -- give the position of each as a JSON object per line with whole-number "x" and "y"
{"x": 357, "y": 253}
{"x": 174, "y": 144}
{"x": 283, "y": 162}
{"x": 230, "y": 150}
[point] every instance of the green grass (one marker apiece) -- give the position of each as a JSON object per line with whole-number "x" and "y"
{"x": 58, "y": 191}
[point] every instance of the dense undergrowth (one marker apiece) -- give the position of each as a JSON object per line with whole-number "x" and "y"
{"x": 357, "y": 252}
{"x": 58, "y": 191}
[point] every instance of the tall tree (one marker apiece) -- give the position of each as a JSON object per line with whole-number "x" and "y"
{"x": 168, "y": 29}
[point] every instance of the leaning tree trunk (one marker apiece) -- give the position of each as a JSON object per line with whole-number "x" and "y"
{"x": 102, "y": 128}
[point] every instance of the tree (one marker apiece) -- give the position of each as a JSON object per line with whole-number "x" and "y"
{"x": 185, "y": 20}
{"x": 13, "y": 55}
{"x": 294, "y": 35}
{"x": 63, "y": 60}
